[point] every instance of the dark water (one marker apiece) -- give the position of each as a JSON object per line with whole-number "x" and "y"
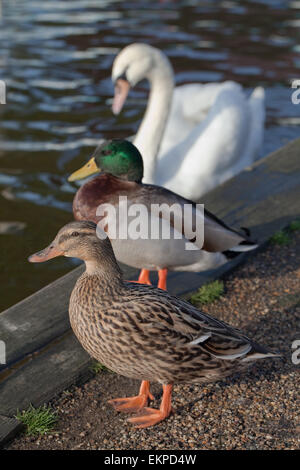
{"x": 56, "y": 58}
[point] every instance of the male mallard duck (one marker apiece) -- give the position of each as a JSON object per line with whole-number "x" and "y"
{"x": 122, "y": 165}
{"x": 143, "y": 332}
{"x": 203, "y": 134}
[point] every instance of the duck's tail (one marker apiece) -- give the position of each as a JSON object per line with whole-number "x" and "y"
{"x": 259, "y": 352}
{"x": 244, "y": 246}
{"x": 255, "y": 355}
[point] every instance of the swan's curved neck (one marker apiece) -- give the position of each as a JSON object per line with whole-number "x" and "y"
{"x": 151, "y": 130}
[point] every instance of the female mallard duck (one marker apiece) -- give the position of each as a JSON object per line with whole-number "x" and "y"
{"x": 143, "y": 332}
{"x": 200, "y": 134}
{"x": 122, "y": 165}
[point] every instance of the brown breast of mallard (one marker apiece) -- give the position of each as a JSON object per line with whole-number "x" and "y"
{"x": 104, "y": 188}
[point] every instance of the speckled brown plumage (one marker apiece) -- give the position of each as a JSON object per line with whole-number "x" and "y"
{"x": 140, "y": 331}
{"x": 144, "y": 333}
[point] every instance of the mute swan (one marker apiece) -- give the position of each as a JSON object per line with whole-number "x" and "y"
{"x": 192, "y": 138}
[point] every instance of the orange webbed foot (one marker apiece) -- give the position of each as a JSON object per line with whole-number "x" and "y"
{"x": 130, "y": 404}
{"x": 143, "y": 278}
{"x": 148, "y": 417}
{"x": 133, "y": 404}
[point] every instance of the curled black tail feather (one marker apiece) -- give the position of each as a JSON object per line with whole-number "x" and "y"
{"x": 231, "y": 254}
{"x": 246, "y": 230}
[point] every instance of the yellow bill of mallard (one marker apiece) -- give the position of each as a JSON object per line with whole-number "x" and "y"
{"x": 90, "y": 168}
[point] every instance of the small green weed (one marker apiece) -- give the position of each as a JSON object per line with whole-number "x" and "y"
{"x": 38, "y": 421}
{"x": 208, "y": 293}
{"x": 281, "y": 238}
{"x": 295, "y": 225}
{"x": 97, "y": 367}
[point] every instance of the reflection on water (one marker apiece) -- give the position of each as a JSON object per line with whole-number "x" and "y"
{"x": 56, "y": 58}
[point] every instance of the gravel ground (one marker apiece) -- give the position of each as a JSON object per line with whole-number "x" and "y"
{"x": 256, "y": 410}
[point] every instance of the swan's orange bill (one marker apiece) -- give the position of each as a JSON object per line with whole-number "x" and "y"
{"x": 43, "y": 255}
{"x": 121, "y": 91}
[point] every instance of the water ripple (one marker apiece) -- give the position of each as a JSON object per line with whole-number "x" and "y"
{"x": 56, "y": 58}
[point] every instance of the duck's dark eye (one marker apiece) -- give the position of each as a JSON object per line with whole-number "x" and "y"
{"x": 105, "y": 152}
{"x": 75, "y": 234}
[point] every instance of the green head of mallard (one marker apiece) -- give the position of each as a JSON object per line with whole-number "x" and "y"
{"x": 117, "y": 157}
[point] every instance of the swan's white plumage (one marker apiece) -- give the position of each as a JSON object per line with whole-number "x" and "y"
{"x": 198, "y": 136}
{"x": 220, "y": 146}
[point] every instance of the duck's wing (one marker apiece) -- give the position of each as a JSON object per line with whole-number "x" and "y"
{"x": 157, "y": 314}
{"x": 216, "y": 236}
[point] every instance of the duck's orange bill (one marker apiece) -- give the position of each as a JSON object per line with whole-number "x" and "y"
{"x": 43, "y": 255}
